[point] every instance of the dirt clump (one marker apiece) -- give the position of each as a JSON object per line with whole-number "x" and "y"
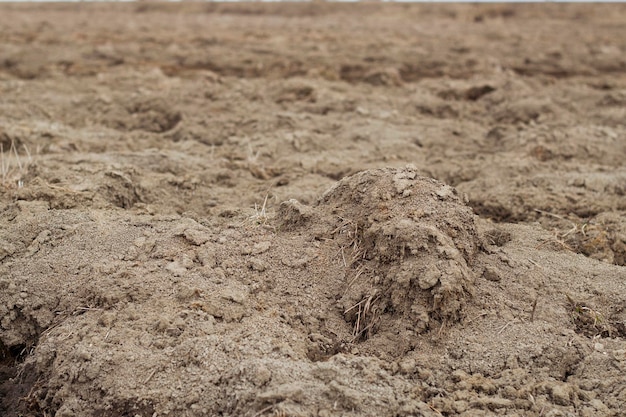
{"x": 410, "y": 242}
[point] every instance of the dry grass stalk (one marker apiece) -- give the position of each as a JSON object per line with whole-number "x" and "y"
{"x": 366, "y": 317}
{"x": 584, "y": 237}
{"x": 351, "y": 230}
{"x": 260, "y": 216}
{"x": 588, "y": 320}
{"x": 359, "y": 271}
{"x": 12, "y": 167}
{"x": 559, "y": 237}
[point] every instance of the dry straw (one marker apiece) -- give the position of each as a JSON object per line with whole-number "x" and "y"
{"x": 13, "y": 167}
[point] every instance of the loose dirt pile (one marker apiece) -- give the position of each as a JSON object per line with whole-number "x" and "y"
{"x": 312, "y": 210}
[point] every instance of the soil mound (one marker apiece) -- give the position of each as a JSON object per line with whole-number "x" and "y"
{"x": 173, "y": 289}
{"x": 412, "y": 242}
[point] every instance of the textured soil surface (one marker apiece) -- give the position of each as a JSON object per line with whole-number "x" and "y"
{"x": 312, "y": 210}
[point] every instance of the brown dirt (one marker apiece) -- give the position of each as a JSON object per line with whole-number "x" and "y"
{"x": 312, "y": 210}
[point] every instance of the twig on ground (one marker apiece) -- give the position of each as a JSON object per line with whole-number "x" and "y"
{"x": 503, "y": 328}
{"x": 477, "y": 317}
{"x": 263, "y": 410}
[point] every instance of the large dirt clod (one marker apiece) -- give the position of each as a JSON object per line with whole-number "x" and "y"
{"x": 412, "y": 243}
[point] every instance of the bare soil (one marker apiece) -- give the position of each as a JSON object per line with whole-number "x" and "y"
{"x": 312, "y": 210}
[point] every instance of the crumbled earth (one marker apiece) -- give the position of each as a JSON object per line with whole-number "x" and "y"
{"x": 312, "y": 210}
